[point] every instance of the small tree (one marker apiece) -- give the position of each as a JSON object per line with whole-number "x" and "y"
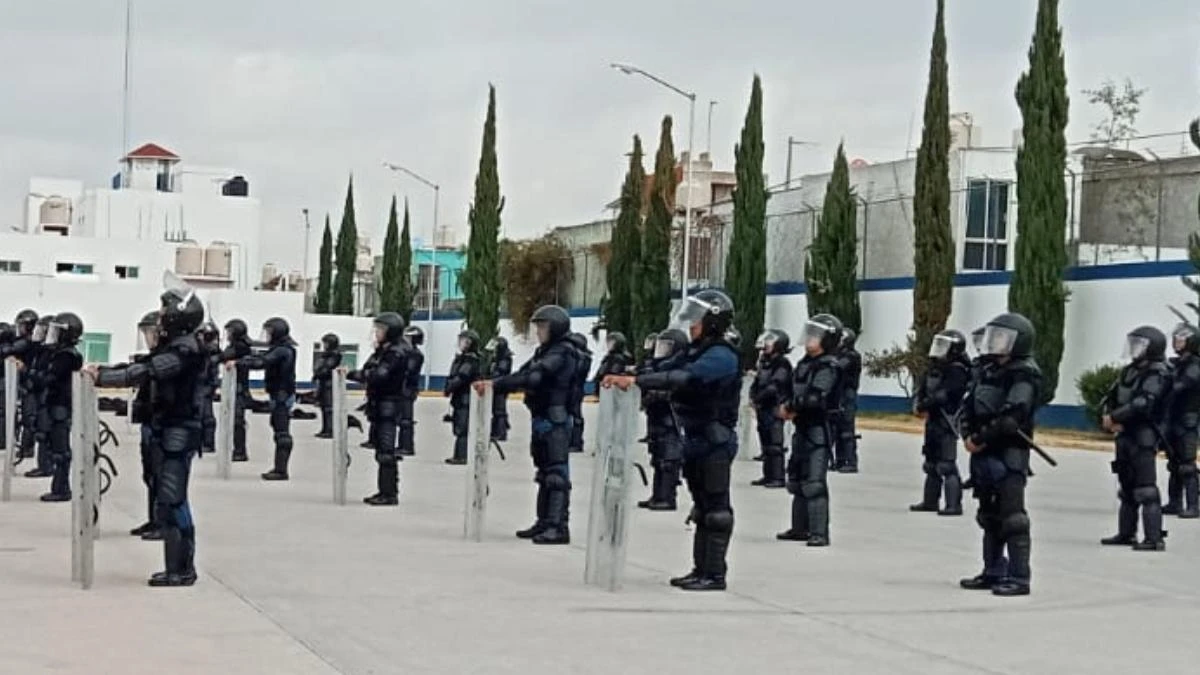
{"x": 746, "y": 265}
{"x": 389, "y": 292}
{"x": 626, "y": 248}
{"x": 536, "y": 272}
{"x": 404, "y": 266}
{"x": 481, "y": 279}
{"x": 347, "y": 258}
{"x": 321, "y": 302}
{"x": 652, "y": 304}
{"x": 831, "y": 270}
{"x": 1133, "y": 195}
{"x": 1121, "y": 105}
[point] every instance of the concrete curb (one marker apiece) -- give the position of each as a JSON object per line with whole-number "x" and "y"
{"x": 1043, "y": 438}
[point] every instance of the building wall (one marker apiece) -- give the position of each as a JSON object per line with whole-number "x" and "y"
{"x": 39, "y": 256}
{"x": 1144, "y": 206}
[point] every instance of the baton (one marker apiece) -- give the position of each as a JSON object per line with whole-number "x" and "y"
{"x": 1023, "y": 436}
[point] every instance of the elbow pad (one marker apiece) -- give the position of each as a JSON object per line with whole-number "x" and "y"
{"x": 163, "y": 366}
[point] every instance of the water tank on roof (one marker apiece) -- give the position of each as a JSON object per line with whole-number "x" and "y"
{"x": 55, "y": 211}
{"x": 218, "y": 260}
{"x": 236, "y": 187}
{"x": 189, "y": 259}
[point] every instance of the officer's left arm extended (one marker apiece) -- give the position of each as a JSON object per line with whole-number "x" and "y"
{"x": 274, "y": 356}
{"x": 533, "y": 373}
{"x": 1144, "y": 404}
{"x": 815, "y": 396}
{"x": 1017, "y": 412}
{"x": 161, "y": 366}
{"x": 462, "y": 377}
{"x": 713, "y": 366}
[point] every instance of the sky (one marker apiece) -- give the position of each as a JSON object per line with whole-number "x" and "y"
{"x": 299, "y": 95}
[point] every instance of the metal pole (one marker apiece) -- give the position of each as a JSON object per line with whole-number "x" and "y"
{"x": 687, "y": 216}
{"x": 307, "y": 237}
{"x": 708, "y": 144}
{"x": 988, "y": 251}
{"x": 125, "y": 87}
{"x": 787, "y": 184}
{"x": 433, "y": 264}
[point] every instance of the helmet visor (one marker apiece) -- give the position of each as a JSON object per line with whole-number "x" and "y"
{"x": 998, "y": 340}
{"x": 147, "y": 338}
{"x": 977, "y": 341}
{"x": 1136, "y": 346}
{"x": 663, "y": 348}
{"x": 492, "y": 344}
{"x": 39, "y": 333}
{"x": 649, "y": 343}
{"x": 766, "y": 342}
{"x": 609, "y": 344}
{"x": 464, "y": 344}
{"x": 940, "y": 347}
{"x": 1181, "y": 335}
{"x": 816, "y": 332}
{"x": 692, "y": 311}
{"x": 53, "y": 332}
{"x": 543, "y": 331}
{"x": 177, "y": 289}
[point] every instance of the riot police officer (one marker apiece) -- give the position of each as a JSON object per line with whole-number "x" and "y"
{"x": 237, "y": 347}
{"x": 997, "y": 419}
{"x": 1183, "y": 418}
{"x": 662, "y": 431}
{"x": 35, "y": 420}
{"x": 209, "y": 338}
{"x": 176, "y": 365}
{"x": 386, "y": 376}
{"x": 583, "y": 366}
{"x": 141, "y": 410}
{"x": 463, "y": 372}
{"x": 813, "y": 401}
{"x": 20, "y": 346}
{"x": 705, "y": 387}
{"x": 501, "y": 366}
{"x": 53, "y": 376}
{"x": 279, "y": 374}
{"x": 850, "y": 366}
{"x": 645, "y": 366}
{"x": 1133, "y": 409}
{"x": 938, "y": 399}
{"x": 7, "y": 336}
{"x": 772, "y": 386}
{"x": 329, "y": 360}
{"x": 405, "y": 436}
{"x": 548, "y": 380}
{"x": 617, "y": 360}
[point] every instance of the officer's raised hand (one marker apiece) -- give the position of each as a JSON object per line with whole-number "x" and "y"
{"x": 481, "y": 386}
{"x": 622, "y": 382}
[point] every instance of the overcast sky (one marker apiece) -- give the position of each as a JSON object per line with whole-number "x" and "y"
{"x": 298, "y": 94}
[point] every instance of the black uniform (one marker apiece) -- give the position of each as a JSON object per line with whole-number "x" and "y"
{"x": 1183, "y": 419}
{"x": 772, "y": 386}
{"x": 405, "y": 436}
{"x": 501, "y": 366}
{"x": 939, "y": 397}
{"x": 209, "y": 341}
{"x": 617, "y": 361}
{"x": 279, "y": 374}
{"x": 329, "y": 360}
{"x": 237, "y": 347}
{"x": 704, "y": 388}
{"x": 999, "y": 407}
{"x": 59, "y": 361}
{"x": 35, "y": 419}
{"x": 662, "y": 428}
{"x": 548, "y": 380}
{"x": 1137, "y": 403}
{"x": 141, "y": 410}
{"x": 385, "y": 376}
{"x": 464, "y": 370}
{"x": 7, "y": 336}
{"x": 583, "y": 366}
{"x": 173, "y": 374}
{"x": 813, "y": 403}
{"x": 22, "y": 347}
{"x": 850, "y": 375}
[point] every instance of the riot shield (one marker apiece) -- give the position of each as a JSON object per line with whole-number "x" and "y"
{"x": 598, "y": 429}
{"x": 85, "y": 495}
{"x": 11, "y": 375}
{"x": 341, "y": 443}
{"x": 748, "y": 445}
{"x": 225, "y": 420}
{"x": 479, "y": 454}
{"x": 608, "y": 520}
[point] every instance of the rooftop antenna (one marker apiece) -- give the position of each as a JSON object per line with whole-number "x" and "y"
{"x": 125, "y": 88}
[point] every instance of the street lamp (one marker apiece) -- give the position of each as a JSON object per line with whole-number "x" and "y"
{"x": 687, "y": 218}
{"x": 792, "y": 142}
{"x": 396, "y": 168}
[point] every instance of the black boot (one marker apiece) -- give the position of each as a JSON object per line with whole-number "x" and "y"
{"x": 388, "y": 484}
{"x": 929, "y": 499}
{"x": 1016, "y": 582}
{"x": 699, "y": 554}
{"x": 539, "y": 525}
{"x": 175, "y": 559}
{"x": 995, "y": 566}
{"x": 773, "y": 470}
{"x": 1152, "y": 528}
{"x": 952, "y": 485}
{"x": 557, "y": 528}
{"x": 1191, "y": 485}
{"x": 799, "y": 529}
{"x": 713, "y": 567}
{"x": 655, "y": 488}
{"x": 818, "y": 520}
{"x": 1174, "y": 503}
{"x": 1126, "y": 526}
{"x": 239, "y": 444}
{"x": 663, "y": 498}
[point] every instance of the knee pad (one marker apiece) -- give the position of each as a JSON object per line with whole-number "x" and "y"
{"x": 1014, "y": 523}
{"x": 283, "y": 440}
{"x": 947, "y": 469}
{"x": 557, "y": 482}
{"x": 1146, "y": 495}
{"x": 719, "y": 521}
{"x": 929, "y": 468}
{"x": 385, "y": 458}
{"x": 812, "y": 489}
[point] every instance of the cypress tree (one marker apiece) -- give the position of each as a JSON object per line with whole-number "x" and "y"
{"x": 746, "y": 265}
{"x": 933, "y": 249}
{"x": 405, "y": 295}
{"x": 347, "y": 255}
{"x": 626, "y": 243}
{"x": 322, "y": 299}
{"x": 481, "y": 278}
{"x": 1037, "y": 288}
{"x": 389, "y": 300}
{"x": 831, "y": 271}
{"x": 652, "y": 305}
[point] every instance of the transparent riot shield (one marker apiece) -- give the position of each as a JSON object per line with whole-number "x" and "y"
{"x": 11, "y": 376}
{"x": 85, "y": 479}
{"x": 225, "y": 421}
{"x": 479, "y": 454}
{"x": 608, "y": 520}
{"x": 748, "y": 445}
{"x": 341, "y": 442}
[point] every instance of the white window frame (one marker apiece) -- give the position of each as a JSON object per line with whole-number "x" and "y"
{"x": 990, "y": 244}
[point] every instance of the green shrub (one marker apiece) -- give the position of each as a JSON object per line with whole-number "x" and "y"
{"x": 1093, "y": 386}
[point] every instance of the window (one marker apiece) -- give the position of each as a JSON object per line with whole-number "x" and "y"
{"x": 126, "y": 271}
{"x": 424, "y": 274}
{"x": 349, "y": 355}
{"x": 985, "y": 246}
{"x": 74, "y": 268}
{"x": 94, "y": 347}
{"x": 10, "y": 266}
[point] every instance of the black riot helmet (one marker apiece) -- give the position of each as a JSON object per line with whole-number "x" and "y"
{"x": 977, "y": 340}
{"x": 1186, "y": 339}
{"x": 948, "y": 345}
{"x": 180, "y": 311}
{"x": 615, "y": 342}
{"x": 24, "y": 323}
{"x": 774, "y": 341}
{"x": 148, "y": 332}
{"x": 65, "y": 330}
{"x": 208, "y": 332}
{"x": 415, "y": 336}
{"x": 648, "y": 343}
{"x": 1009, "y": 334}
{"x": 235, "y": 329}
{"x": 498, "y": 346}
{"x": 330, "y": 342}
{"x": 849, "y": 337}
{"x": 1145, "y": 343}
{"x": 824, "y": 332}
{"x": 707, "y": 314}
{"x": 40, "y": 327}
{"x": 389, "y": 328}
{"x": 579, "y": 341}
{"x": 553, "y": 323}
{"x": 276, "y": 330}
{"x": 468, "y": 341}
{"x": 733, "y": 337}
{"x": 669, "y": 343}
